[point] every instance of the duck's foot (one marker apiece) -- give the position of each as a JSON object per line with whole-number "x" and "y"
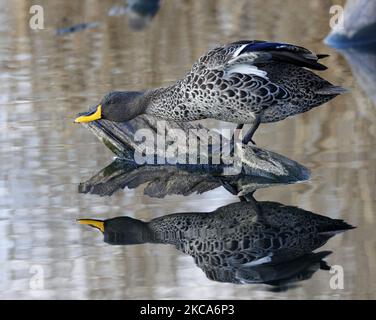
{"x": 230, "y": 188}
{"x": 250, "y": 140}
{"x": 232, "y": 141}
{"x": 249, "y": 135}
{"x": 249, "y": 197}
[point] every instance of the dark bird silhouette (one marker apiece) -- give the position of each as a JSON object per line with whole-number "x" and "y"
{"x": 245, "y": 242}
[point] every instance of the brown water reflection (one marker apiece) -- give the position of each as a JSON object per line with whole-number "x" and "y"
{"x": 46, "y": 80}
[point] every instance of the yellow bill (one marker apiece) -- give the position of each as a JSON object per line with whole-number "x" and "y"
{"x": 91, "y": 116}
{"x": 93, "y": 223}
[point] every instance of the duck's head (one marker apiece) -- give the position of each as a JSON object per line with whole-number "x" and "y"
{"x": 120, "y": 230}
{"x": 116, "y": 106}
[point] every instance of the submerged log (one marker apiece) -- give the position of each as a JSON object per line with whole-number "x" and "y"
{"x": 163, "y": 180}
{"x": 255, "y": 168}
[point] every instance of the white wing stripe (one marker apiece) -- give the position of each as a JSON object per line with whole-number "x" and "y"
{"x": 247, "y": 69}
{"x": 258, "y": 262}
{"x": 237, "y": 52}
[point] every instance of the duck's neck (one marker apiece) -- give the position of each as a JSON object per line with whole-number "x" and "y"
{"x": 175, "y": 228}
{"x": 163, "y": 103}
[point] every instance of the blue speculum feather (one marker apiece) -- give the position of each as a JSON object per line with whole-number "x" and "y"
{"x": 265, "y": 46}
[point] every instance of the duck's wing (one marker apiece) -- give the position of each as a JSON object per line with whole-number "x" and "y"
{"x": 263, "y": 52}
{"x": 248, "y": 55}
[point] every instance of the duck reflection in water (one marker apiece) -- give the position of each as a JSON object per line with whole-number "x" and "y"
{"x": 244, "y": 242}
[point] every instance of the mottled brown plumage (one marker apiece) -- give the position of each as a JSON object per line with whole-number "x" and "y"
{"x": 245, "y": 82}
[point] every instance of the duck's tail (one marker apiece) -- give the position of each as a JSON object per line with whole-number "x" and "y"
{"x": 331, "y": 90}
{"x": 334, "y": 227}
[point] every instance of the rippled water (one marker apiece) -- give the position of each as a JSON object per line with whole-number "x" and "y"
{"x": 45, "y": 79}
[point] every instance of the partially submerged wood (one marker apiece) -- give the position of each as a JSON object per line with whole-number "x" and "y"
{"x": 258, "y": 167}
{"x": 163, "y": 180}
